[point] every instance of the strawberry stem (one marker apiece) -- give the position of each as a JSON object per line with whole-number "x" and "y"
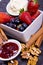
{"x": 21, "y": 10}
{"x": 35, "y": 1}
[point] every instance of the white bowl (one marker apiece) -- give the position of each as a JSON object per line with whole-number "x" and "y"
{"x": 26, "y": 34}
{"x": 10, "y": 11}
{"x": 14, "y": 56}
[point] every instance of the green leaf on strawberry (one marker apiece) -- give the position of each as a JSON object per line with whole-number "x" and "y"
{"x": 21, "y": 10}
{"x": 35, "y": 1}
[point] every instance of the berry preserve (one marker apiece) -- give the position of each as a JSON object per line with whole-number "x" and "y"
{"x": 9, "y": 49}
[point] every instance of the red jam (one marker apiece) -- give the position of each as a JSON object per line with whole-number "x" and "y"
{"x": 9, "y": 49}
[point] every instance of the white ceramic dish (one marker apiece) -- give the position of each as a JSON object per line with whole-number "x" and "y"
{"x": 10, "y": 11}
{"x": 26, "y": 34}
{"x": 14, "y": 56}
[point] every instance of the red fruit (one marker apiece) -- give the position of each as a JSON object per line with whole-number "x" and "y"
{"x": 36, "y": 15}
{"x": 25, "y": 17}
{"x": 33, "y": 6}
{"x": 4, "y": 17}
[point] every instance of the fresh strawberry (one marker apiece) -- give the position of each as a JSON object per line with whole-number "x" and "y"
{"x": 25, "y": 17}
{"x": 36, "y": 15}
{"x": 33, "y": 6}
{"x": 4, "y": 17}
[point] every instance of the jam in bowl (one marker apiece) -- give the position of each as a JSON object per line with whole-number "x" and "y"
{"x": 10, "y": 49}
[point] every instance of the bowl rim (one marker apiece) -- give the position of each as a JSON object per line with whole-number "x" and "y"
{"x": 14, "y": 56}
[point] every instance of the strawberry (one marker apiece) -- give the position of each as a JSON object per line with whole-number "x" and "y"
{"x": 36, "y": 15}
{"x": 4, "y": 17}
{"x": 25, "y": 17}
{"x": 33, "y": 6}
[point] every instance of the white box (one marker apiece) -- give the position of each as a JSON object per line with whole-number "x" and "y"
{"x": 26, "y": 34}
